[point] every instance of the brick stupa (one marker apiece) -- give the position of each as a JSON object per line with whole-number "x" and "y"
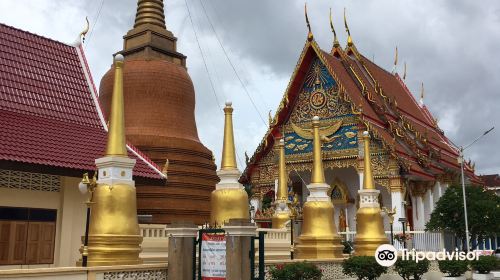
{"x": 160, "y": 121}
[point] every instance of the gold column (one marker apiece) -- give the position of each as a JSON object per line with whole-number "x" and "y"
{"x": 369, "y": 224}
{"x": 116, "y": 131}
{"x": 319, "y": 238}
{"x": 114, "y": 237}
{"x": 282, "y": 212}
{"x": 228, "y": 150}
{"x": 229, "y": 200}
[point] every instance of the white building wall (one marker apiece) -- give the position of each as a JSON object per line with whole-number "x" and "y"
{"x": 70, "y": 223}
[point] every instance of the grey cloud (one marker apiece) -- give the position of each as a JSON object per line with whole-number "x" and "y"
{"x": 449, "y": 45}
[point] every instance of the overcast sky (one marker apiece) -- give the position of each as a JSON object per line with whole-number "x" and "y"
{"x": 452, "y": 46}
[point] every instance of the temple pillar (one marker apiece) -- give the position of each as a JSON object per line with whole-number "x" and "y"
{"x": 180, "y": 250}
{"x": 397, "y": 203}
{"x": 239, "y": 234}
{"x": 419, "y": 212}
{"x": 428, "y": 204}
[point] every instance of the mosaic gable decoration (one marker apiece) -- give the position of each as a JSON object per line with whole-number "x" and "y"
{"x": 319, "y": 97}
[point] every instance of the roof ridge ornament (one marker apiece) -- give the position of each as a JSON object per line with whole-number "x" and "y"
{"x": 422, "y": 95}
{"x": 310, "y": 36}
{"x": 394, "y": 68}
{"x": 81, "y": 37}
{"x": 404, "y": 73}
{"x": 349, "y": 38}
{"x": 336, "y": 43}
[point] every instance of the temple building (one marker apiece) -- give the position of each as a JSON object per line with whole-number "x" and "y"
{"x": 413, "y": 161}
{"x": 160, "y": 121}
{"x": 491, "y": 182}
{"x": 51, "y": 131}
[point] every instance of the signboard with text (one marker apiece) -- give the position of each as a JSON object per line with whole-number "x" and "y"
{"x": 213, "y": 257}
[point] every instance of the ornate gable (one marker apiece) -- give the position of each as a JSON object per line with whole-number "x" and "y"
{"x": 319, "y": 96}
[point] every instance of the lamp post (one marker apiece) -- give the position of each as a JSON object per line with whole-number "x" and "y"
{"x": 87, "y": 185}
{"x": 461, "y": 160}
{"x": 390, "y": 214}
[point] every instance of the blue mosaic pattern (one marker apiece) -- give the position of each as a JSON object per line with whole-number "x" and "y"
{"x": 344, "y": 138}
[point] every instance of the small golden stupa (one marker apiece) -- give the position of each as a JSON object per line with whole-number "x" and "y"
{"x": 282, "y": 212}
{"x": 369, "y": 224}
{"x": 229, "y": 200}
{"x": 114, "y": 237}
{"x": 319, "y": 238}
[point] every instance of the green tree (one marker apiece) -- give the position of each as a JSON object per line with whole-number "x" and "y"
{"x": 483, "y": 213}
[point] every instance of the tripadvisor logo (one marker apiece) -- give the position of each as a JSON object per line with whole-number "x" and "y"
{"x": 386, "y": 255}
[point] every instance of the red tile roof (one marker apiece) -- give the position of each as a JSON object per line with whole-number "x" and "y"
{"x": 492, "y": 180}
{"x": 49, "y": 114}
{"x": 365, "y": 83}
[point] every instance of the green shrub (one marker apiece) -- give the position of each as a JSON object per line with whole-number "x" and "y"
{"x": 296, "y": 271}
{"x": 363, "y": 267}
{"x": 453, "y": 268}
{"x": 484, "y": 264}
{"x": 408, "y": 268}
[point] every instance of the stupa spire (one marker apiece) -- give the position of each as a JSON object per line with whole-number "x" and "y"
{"x": 150, "y": 12}
{"x": 369, "y": 223}
{"x": 318, "y": 173}
{"x": 116, "y": 130}
{"x": 228, "y": 150}
{"x": 282, "y": 193}
{"x": 368, "y": 183}
{"x": 282, "y": 212}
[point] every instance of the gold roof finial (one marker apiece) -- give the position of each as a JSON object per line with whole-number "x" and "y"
{"x": 404, "y": 73}
{"x": 309, "y": 34}
{"x": 368, "y": 183}
{"x": 283, "y": 176}
{"x": 85, "y": 30}
{"x": 318, "y": 173}
{"x": 396, "y": 57}
{"x": 228, "y": 149}
{"x": 270, "y": 118}
{"x": 150, "y": 12}
{"x": 335, "y": 40}
{"x": 395, "y": 61}
{"x": 116, "y": 130}
{"x": 349, "y": 38}
{"x": 422, "y": 95}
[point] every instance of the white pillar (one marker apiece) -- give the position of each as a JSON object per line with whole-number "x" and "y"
{"x": 397, "y": 202}
{"x": 418, "y": 213}
{"x": 428, "y": 205}
{"x": 436, "y": 193}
